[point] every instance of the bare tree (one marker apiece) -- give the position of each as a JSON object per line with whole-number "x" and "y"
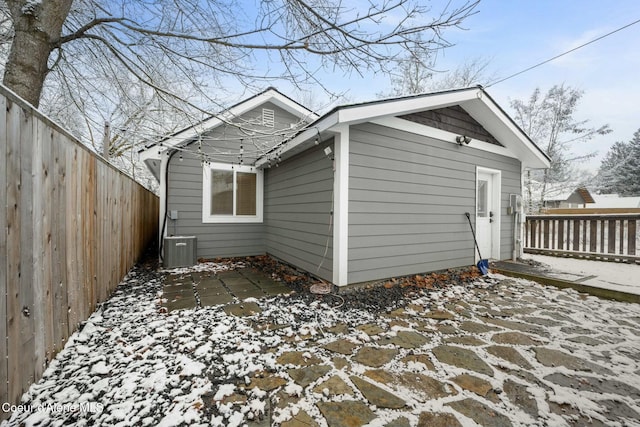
{"x": 213, "y": 39}
{"x": 416, "y": 72}
{"x": 472, "y": 72}
{"x": 549, "y": 120}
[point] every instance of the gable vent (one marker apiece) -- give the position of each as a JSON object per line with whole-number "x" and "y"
{"x": 268, "y": 118}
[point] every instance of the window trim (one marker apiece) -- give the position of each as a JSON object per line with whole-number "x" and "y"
{"x": 207, "y": 217}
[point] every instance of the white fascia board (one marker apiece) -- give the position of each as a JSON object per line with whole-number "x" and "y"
{"x": 442, "y": 135}
{"x": 365, "y": 113}
{"x": 504, "y": 130}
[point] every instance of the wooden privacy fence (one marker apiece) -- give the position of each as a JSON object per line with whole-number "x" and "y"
{"x": 608, "y": 237}
{"x": 71, "y": 226}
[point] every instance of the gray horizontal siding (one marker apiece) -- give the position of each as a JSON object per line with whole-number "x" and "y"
{"x": 297, "y": 210}
{"x": 407, "y": 199}
{"x": 225, "y": 139}
{"x": 214, "y": 240}
{"x": 185, "y": 185}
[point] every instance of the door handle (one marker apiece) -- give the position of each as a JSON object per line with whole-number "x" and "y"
{"x": 490, "y": 216}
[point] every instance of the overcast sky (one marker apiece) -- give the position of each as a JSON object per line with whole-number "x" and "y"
{"x": 519, "y": 34}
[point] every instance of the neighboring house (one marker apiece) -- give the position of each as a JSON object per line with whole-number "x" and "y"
{"x": 579, "y": 198}
{"x": 367, "y": 191}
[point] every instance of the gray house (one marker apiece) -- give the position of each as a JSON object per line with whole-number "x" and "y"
{"x": 365, "y": 192}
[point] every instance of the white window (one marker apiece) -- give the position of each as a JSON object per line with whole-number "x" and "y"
{"x": 231, "y": 193}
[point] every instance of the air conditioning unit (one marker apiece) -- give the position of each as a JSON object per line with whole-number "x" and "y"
{"x": 179, "y": 251}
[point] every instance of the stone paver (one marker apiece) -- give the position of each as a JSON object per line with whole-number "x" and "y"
{"x": 474, "y": 384}
{"x": 346, "y": 413}
{"x": 431, "y": 419}
{"x": 301, "y": 419}
{"x": 509, "y": 354}
{"x": 180, "y": 290}
{"x": 552, "y": 357}
{"x": 341, "y": 346}
{"x": 375, "y": 357}
{"x": 298, "y": 358}
{"x": 242, "y": 309}
{"x": 334, "y": 386}
{"x": 406, "y": 339}
{"x": 305, "y": 376}
{"x": 480, "y": 413}
{"x": 493, "y": 348}
{"x": 462, "y": 358}
{"x": 377, "y": 396}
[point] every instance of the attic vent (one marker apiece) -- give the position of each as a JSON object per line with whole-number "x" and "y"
{"x": 268, "y": 118}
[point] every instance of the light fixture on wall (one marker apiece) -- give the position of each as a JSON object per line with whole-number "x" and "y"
{"x": 463, "y": 139}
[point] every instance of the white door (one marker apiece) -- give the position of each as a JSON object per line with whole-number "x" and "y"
{"x": 484, "y": 214}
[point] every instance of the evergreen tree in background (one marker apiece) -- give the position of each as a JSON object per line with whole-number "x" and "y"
{"x": 620, "y": 169}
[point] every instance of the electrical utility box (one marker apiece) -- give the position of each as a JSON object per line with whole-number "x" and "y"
{"x": 179, "y": 251}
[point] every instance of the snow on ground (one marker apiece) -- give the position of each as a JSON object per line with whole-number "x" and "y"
{"x": 132, "y": 364}
{"x": 608, "y": 275}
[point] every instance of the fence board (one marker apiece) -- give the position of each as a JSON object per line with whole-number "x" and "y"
{"x": 71, "y": 226}
{"x": 611, "y": 235}
{"x": 4, "y": 374}
{"x": 59, "y": 270}
{"x": 27, "y": 327}
{"x": 576, "y": 235}
{"x": 13, "y": 175}
{"x": 594, "y": 236}
{"x": 631, "y": 233}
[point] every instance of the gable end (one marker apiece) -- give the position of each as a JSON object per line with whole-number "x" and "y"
{"x": 452, "y": 119}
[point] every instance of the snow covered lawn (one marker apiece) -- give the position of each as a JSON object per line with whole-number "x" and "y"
{"x": 499, "y": 352}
